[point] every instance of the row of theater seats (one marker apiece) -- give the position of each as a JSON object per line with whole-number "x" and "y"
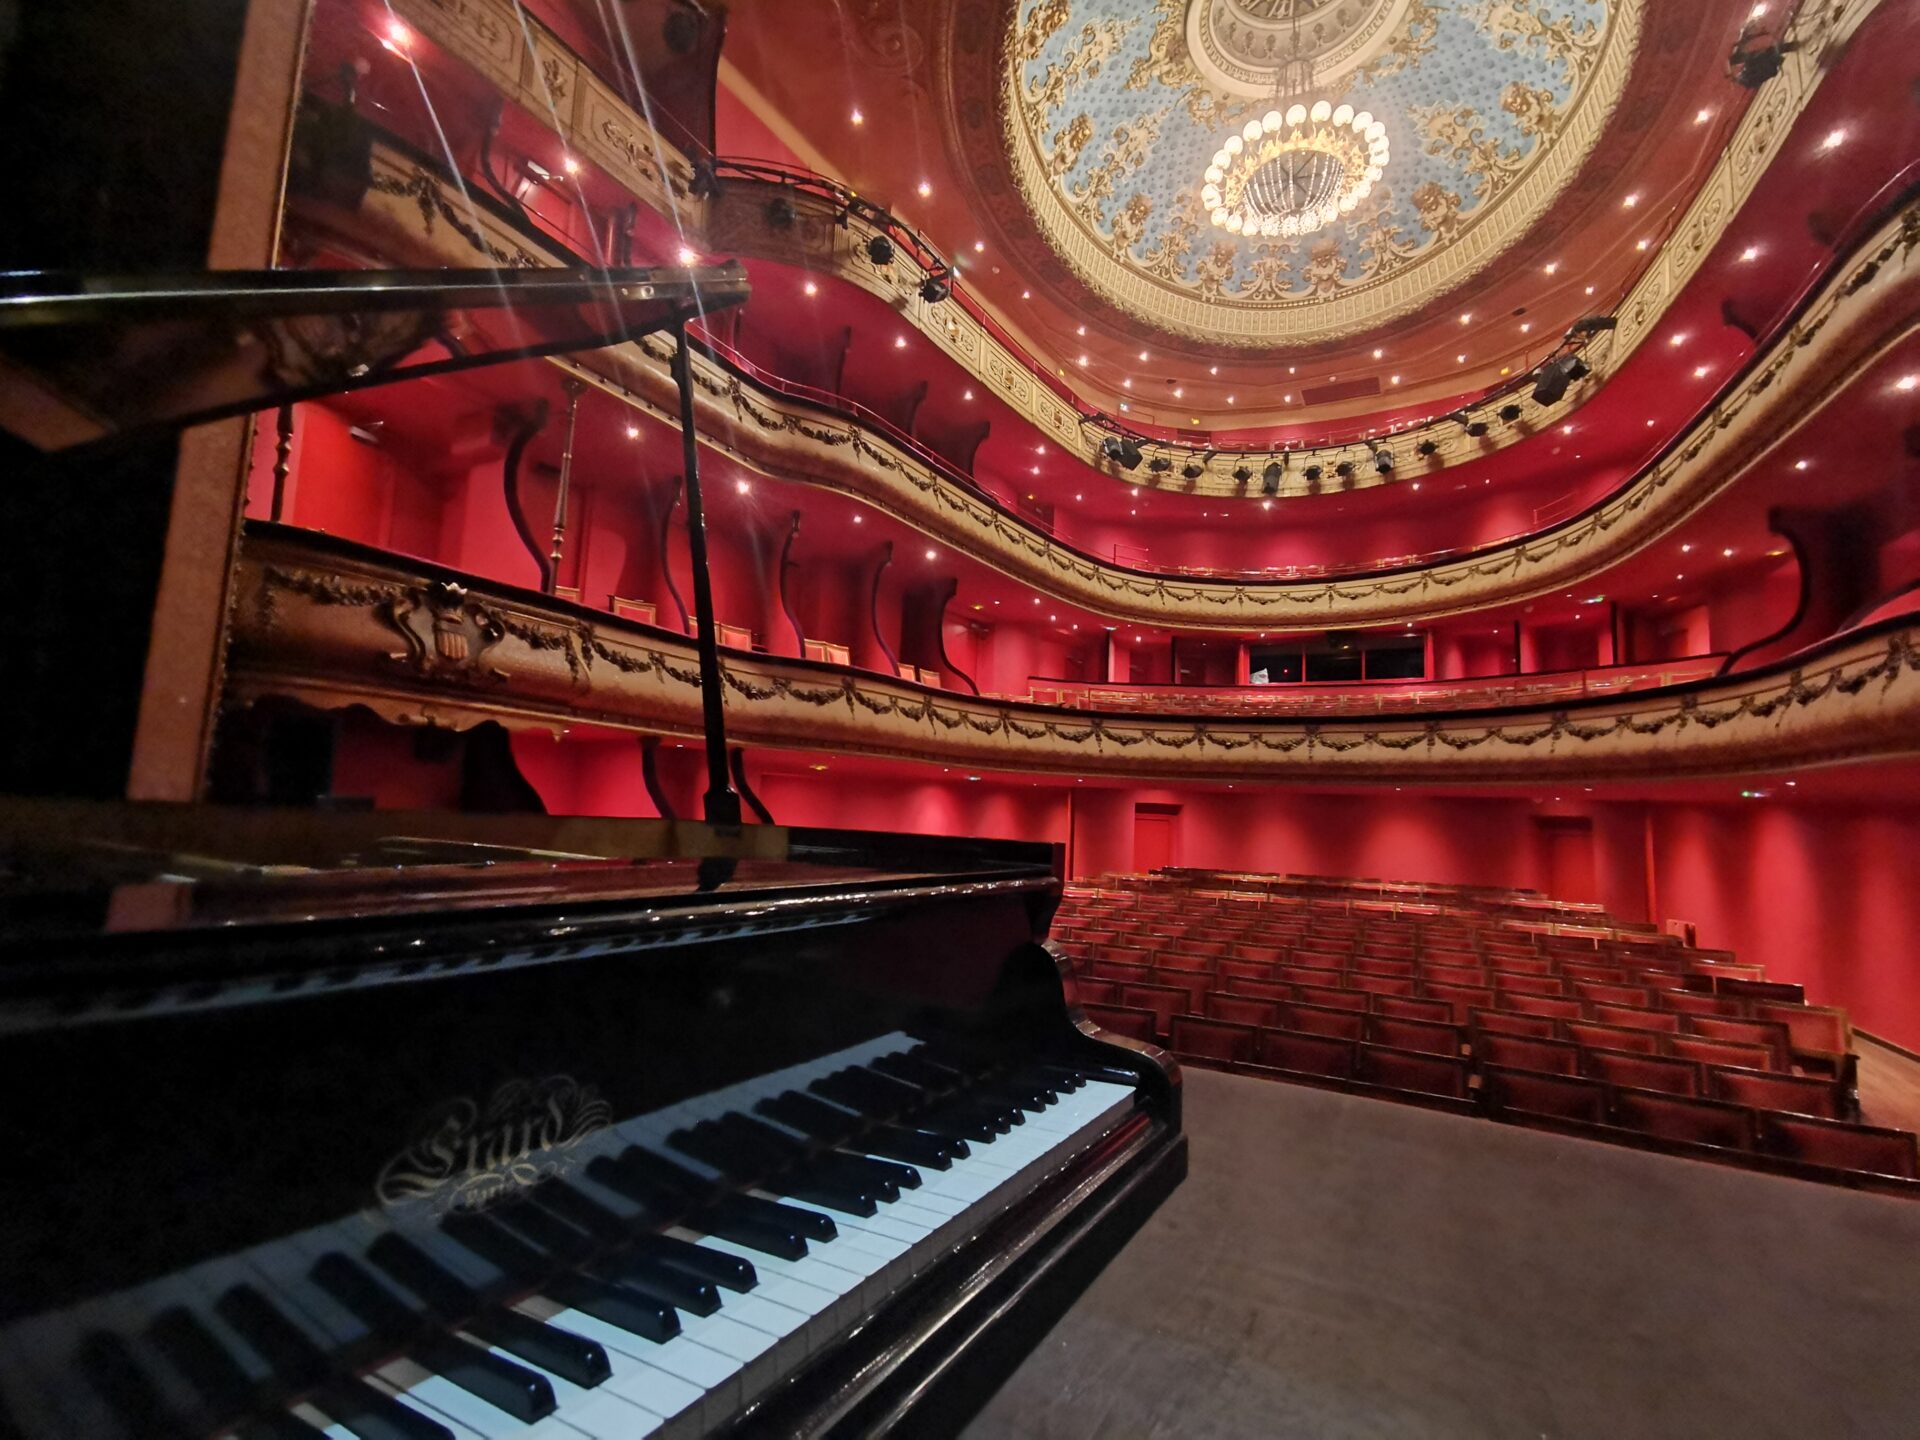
{"x": 1613, "y": 1031}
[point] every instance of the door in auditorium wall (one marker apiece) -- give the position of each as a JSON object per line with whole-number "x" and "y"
{"x": 1569, "y": 844}
{"x": 1153, "y": 837}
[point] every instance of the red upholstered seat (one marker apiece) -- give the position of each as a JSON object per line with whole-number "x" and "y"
{"x": 1264, "y": 989}
{"x": 1560, "y": 1096}
{"x": 1114, "y": 970}
{"x": 1463, "y": 998}
{"x": 1557, "y": 1008}
{"x": 1688, "y": 1002}
{"x": 1136, "y": 1024}
{"x": 1770, "y": 1033}
{"x": 1645, "y": 1072}
{"x": 1720, "y": 1052}
{"x": 1518, "y": 1052}
{"x": 1318, "y": 959}
{"x": 1163, "y": 1000}
{"x": 1231, "y": 970}
{"x": 1422, "y": 1035}
{"x": 1085, "y": 990}
{"x": 1333, "y": 997}
{"x": 1611, "y": 1037}
{"x": 1674, "y": 1117}
{"x": 1263, "y": 954}
{"x": 1419, "y": 1071}
{"x": 1404, "y": 1008}
{"x": 1241, "y": 1009}
{"x": 1765, "y": 1090}
{"x": 1841, "y": 1145}
{"x": 1776, "y": 991}
{"x": 1815, "y": 1029}
{"x": 1453, "y": 974}
{"x": 1183, "y": 959}
{"x": 1308, "y": 1054}
{"x": 1508, "y": 983}
{"x": 1636, "y": 996}
{"x": 1381, "y": 984}
{"x": 1218, "y": 1040}
{"x": 1368, "y": 965}
{"x": 1321, "y": 1020}
{"x": 1633, "y": 1017}
{"x": 1506, "y": 1022}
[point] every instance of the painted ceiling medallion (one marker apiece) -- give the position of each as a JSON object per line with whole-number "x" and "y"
{"x": 1267, "y": 173}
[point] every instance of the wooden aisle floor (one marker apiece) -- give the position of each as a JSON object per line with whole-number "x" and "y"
{"x": 1342, "y": 1267}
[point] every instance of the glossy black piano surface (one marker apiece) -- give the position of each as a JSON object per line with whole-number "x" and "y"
{"x": 376, "y": 1127}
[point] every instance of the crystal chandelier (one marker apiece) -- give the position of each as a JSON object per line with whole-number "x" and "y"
{"x": 1300, "y": 166}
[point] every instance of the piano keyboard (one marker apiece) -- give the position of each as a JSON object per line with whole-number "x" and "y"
{"x": 691, "y": 1260}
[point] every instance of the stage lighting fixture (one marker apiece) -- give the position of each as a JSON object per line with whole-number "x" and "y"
{"x": 880, "y": 250}
{"x": 1122, "y": 451}
{"x": 1428, "y": 447}
{"x": 1383, "y": 461}
{"x": 1344, "y": 469}
{"x": 1509, "y": 412}
{"x": 1577, "y": 369}
{"x": 1477, "y": 428}
{"x": 1756, "y": 57}
{"x": 933, "y": 290}
{"x": 1242, "y": 473}
{"x": 1313, "y": 472}
{"x": 1594, "y": 324}
{"x": 780, "y": 213}
{"x": 1160, "y": 464}
{"x": 1191, "y": 471}
{"x": 1270, "y": 478}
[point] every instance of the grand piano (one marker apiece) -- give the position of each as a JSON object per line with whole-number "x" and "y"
{"x": 411, "y": 1126}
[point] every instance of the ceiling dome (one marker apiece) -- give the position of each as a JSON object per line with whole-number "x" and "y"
{"x": 1129, "y": 131}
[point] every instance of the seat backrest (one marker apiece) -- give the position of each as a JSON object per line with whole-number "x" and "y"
{"x": 1689, "y": 1121}
{"x": 1183, "y": 959}
{"x": 1770, "y": 1090}
{"x": 1644, "y": 1072}
{"x": 1506, "y": 1022}
{"x": 1555, "y": 1007}
{"x": 1509, "y": 983}
{"x": 1229, "y": 970}
{"x": 1332, "y": 997}
{"x": 1308, "y": 1054}
{"x": 1416, "y": 1070}
{"x": 1520, "y": 1052}
{"x": 1633, "y": 995}
{"x": 1381, "y": 984}
{"x": 1720, "y": 1052}
{"x": 1136, "y": 1024}
{"x": 1691, "y": 1002}
{"x": 1463, "y": 998}
{"x": 1114, "y": 970}
{"x": 1634, "y": 1017}
{"x": 1779, "y": 991}
{"x": 1561, "y": 1096}
{"x": 1242, "y": 1009}
{"x": 1770, "y": 1033}
{"x": 1212, "y": 1039}
{"x": 1867, "y": 1148}
{"x": 1817, "y": 1029}
{"x": 1424, "y": 1036}
{"x": 1611, "y": 1037}
{"x": 1321, "y": 1020}
{"x": 1165, "y": 1001}
{"x": 1404, "y": 1007}
{"x": 1261, "y": 954}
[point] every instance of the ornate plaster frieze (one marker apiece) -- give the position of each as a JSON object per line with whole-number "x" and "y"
{"x": 519, "y": 55}
{"x": 1857, "y": 316}
{"x": 332, "y": 626}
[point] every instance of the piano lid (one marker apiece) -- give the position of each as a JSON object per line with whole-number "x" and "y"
{"x": 85, "y": 360}
{"x": 106, "y": 877}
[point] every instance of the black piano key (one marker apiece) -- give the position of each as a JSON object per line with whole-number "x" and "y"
{"x": 887, "y": 1174}
{"x": 740, "y": 1160}
{"x": 497, "y": 1245}
{"x": 364, "y": 1410}
{"x": 880, "y": 1097}
{"x": 810, "y": 1115}
{"x": 920, "y": 1148}
{"x": 678, "y": 1288}
{"x": 807, "y": 1223}
{"x": 520, "y": 1392}
{"x": 573, "y": 1358}
{"x": 780, "y": 1241}
{"x": 107, "y": 1362}
{"x": 619, "y": 1306}
{"x": 850, "y": 1176}
{"x": 1064, "y": 1077}
{"x": 673, "y": 1179}
{"x": 919, "y": 1071}
{"x": 542, "y": 1228}
{"x": 729, "y": 1272}
{"x": 583, "y": 1212}
{"x": 524, "y": 1394}
{"x": 191, "y": 1348}
{"x": 1018, "y": 1095}
{"x": 644, "y": 1190}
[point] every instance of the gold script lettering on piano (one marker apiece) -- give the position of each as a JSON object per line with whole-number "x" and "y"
{"x": 468, "y": 1157}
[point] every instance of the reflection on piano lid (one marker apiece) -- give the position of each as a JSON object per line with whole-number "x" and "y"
{"x": 526, "y": 1126}
{"x": 88, "y": 359}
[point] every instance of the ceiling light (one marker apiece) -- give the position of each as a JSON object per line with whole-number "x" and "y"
{"x": 1751, "y": 253}
{"x": 1700, "y": 372}
{"x": 398, "y": 36}
{"x": 1229, "y": 399}
{"x": 741, "y": 486}
{"x": 1799, "y": 464}
{"x": 1393, "y": 379}
{"x": 1702, "y": 116}
{"x": 1631, "y": 201}
{"x": 932, "y": 553}
{"x": 856, "y": 520}
{"x": 1083, "y": 360}
{"x": 926, "y": 189}
{"x": 1686, "y": 549}
{"x": 1589, "y": 289}
{"x": 1378, "y": 353}
{"x": 968, "y": 395}
{"x": 1907, "y": 382}
{"x": 880, "y": 250}
{"x": 899, "y": 342}
{"x": 1081, "y": 331}
{"x": 1026, "y": 294}
{"x": 1677, "y": 339}
{"x": 1143, "y": 354}
{"x": 1526, "y": 327}
{"x": 978, "y": 246}
{"x": 633, "y": 432}
{"x": 1834, "y": 139}
{"x": 1552, "y": 266}
{"x": 1641, "y": 245}
{"x": 1466, "y": 317}
{"x": 1460, "y": 359}
{"x": 1727, "y": 554}
{"x": 1297, "y": 168}
{"x": 811, "y": 288}
{"x": 858, "y": 118}
{"x": 1213, "y": 369}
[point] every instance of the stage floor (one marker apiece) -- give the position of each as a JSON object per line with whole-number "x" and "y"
{"x": 1342, "y": 1267}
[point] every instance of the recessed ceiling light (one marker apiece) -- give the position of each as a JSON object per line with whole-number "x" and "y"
{"x": 978, "y": 246}
{"x": 1143, "y": 354}
{"x": 811, "y": 288}
{"x": 1727, "y": 554}
{"x": 1229, "y": 399}
{"x": 858, "y": 118}
{"x": 1679, "y": 338}
{"x": 1466, "y": 317}
{"x": 899, "y": 342}
{"x": 1700, "y": 372}
{"x": 741, "y": 486}
{"x": 1026, "y": 294}
{"x": 1834, "y": 139}
{"x": 1461, "y": 359}
{"x": 633, "y": 432}
{"x": 926, "y": 189}
{"x": 968, "y": 395}
{"x": 1287, "y": 398}
{"x": 1127, "y": 384}
{"x": 1686, "y": 549}
{"x": 1799, "y": 464}
{"x": 1752, "y": 252}
{"x": 1081, "y": 331}
{"x": 1552, "y": 266}
{"x": 1589, "y": 289}
{"x": 932, "y": 553}
{"x": 1213, "y": 369}
{"x": 1907, "y": 382}
{"x": 1378, "y": 353}
{"x": 1526, "y": 327}
{"x": 1631, "y": 200}
{"x": 1702, "y": 116}
{"x": 1641, "y": 245}
{"x": 1083, "y": 359}
{"x": 1393, "y": 379}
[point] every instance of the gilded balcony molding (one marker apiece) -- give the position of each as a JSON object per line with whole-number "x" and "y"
{"x": 1836, "y": 338}
{"x": 539, "y": 73}
{"x": 333, "y": 625}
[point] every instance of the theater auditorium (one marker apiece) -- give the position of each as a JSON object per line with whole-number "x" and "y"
{"x": 972, "y": 718}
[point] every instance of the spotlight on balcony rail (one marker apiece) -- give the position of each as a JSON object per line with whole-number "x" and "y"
{"x": 1550, "y": 388}
{"x": 1428, "y": 447}
{"x": 1191, "y": 471}
{"x": 1242, "y": 473}
{"x": 1121, "y": 451}
{"x": 1160, "y": 464}
{"x": 1593, "y": 324}
{"x": 1476, "y": 428}
{"x": 780, "y": 213}
{"x": 1313, "y": 473}
{"x": 1270, "y": 478}
{"x": 1344, "y": 469}
{"x": 1383, "y": 461}
{"x": 1510, "y": 412}
{"x": 933, "y": 289}
{"x": 1757, "y": 55}
{"x": 880, "y": 250}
